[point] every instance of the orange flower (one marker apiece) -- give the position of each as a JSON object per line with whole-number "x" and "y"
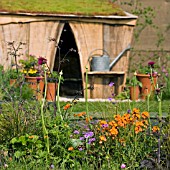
{"x": 113, "y": 131}
{"x": 70, "y": 148}
{"x": 138, "y": 129}
{"x": 139, "y": 123}
{"x": 121, "y": 123}
{"x": 102, "y": 138}
{"x": 88, "y": 119}
{"x": 117, "y": 117}
{"x": 136, "y": 115}
{"x": 67, "y": 106}
{"x": 145, "y": 115}
{"x": 80, "y": 114}
{"x": 31, "y": 137}
{"x": 102, "y": 122}
{"x": 135, "y": 110}
{"x": 155, "y": 129}
{"x": 126, "y": 117}
{"x": 113, "y": 123}
{"x": 145, "y": 122}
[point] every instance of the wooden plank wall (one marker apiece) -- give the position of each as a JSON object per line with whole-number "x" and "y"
{"x": 36, "y": 36}
{"x": 12, "y": 32}
{"x": 117, "y": 38}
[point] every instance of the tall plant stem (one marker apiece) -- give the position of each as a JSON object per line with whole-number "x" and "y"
{"x": 58, "y": 98}
{"x": 86, "y": 92}
{"x": 45, "y": 132}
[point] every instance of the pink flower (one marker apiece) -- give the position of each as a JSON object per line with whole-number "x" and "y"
{"x": 111, "y": 84}
{"x": 42, "y": 61}
{"x": 123, "y": 166}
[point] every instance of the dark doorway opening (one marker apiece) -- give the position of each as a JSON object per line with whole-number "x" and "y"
{"x": 67, "y": 59}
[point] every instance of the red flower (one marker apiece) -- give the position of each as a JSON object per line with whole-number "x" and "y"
{"x": 42, "y": 61}
{"x": 151, "y": 64}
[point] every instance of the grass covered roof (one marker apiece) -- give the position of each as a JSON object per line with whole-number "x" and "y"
{"x": 76, "y": 7}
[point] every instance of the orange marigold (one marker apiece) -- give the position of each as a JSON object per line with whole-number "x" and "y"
{"x": 139, "y": 123}
{"x": 136, "y": 115}
{"x": 135, "y": 110}
{"x": 155, "y": 129}
{"x": 113, "y": 131}
{"x": 70, "y": 148}
{"x": 80, "y": 114}
{"x": 67, "y": 106}
{"x": 113, "y": 123}
{"x": 102, "y": 138}
{"x": 118, "y": 117}
{"x": 138, "y": 129}
{"x": 88, "y": 119}
{"x": 145, "y": 115}
{"x": 102, "y": 122}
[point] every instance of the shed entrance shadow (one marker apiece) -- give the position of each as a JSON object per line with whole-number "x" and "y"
{"x": 67, "y": 59}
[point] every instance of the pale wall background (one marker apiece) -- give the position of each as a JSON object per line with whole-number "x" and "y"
{"x": 145, "y": 48}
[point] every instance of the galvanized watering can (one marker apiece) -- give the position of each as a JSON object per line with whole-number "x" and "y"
{"x": 102, "y": 62}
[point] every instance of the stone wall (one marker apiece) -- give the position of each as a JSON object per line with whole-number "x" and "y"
{"x": 146, "y": 48}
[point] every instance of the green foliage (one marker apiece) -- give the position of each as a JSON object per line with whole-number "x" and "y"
{"x": 79, "y": 7}
{"x": 53, "y": 77}
{"x": 166, "y": 82}
{"x": 30, "y": 62}
{"x": 135, "y": 82}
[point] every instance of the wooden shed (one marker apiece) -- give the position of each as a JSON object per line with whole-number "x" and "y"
{"x": 78, "y": 35}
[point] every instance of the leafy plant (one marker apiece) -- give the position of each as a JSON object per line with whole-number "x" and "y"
{"x": 134, "y": 81}
{"x": 53, "y": 77}
{"x": 30, "y": 66}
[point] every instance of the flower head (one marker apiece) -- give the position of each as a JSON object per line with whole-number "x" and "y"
{"x": 155, "y": 129}
{"x": 51, "y": 166}
{"x": 70, "y": 148}
{"x": 111, "y": 84}
{"x": 80, "y": 149}
{"x": 123, "y": 166}
{"x": 67, "y": 106}
{"x": 76, "y": 132}
{"x": 88, "y": 134}
{"x": 42, "y": 61}
{"x": 151, "y": 64}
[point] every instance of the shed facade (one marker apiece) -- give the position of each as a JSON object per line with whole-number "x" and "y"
{"x": 84, "y": 34}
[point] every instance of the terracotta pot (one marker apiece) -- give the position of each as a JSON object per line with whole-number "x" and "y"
{"x": 134, "y": 92}
{"x": 36, "y": 85}
{"x": 148, "y": 86}
{"x": 51, "y": 91}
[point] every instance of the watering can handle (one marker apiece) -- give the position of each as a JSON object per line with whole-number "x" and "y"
{"x": 90, "y": 55}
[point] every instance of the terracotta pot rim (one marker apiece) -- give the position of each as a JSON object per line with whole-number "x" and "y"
{"x": 145, "y": 75}
{"x": 33, "y": 77}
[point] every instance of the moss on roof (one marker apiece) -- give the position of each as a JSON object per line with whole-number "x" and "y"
{"x": 78, "y": 7}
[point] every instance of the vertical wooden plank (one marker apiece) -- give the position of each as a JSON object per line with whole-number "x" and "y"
{"x": 9, "y": 33}
{"x": 39, "y": 44}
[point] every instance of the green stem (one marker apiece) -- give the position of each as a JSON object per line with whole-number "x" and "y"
{"x": 45, "y": 132}
{"x": 58, "y": 97}
{"x": 86, "y": 92}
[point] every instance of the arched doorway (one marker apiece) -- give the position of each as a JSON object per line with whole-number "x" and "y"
{"x": 67, "y": 59}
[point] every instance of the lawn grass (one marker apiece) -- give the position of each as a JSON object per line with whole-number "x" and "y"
{"x": 84, "y": 7}
{"x": 108, "y": 109}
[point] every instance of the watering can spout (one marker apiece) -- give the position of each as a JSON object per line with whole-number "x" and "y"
{"x": 119, "y": 56}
